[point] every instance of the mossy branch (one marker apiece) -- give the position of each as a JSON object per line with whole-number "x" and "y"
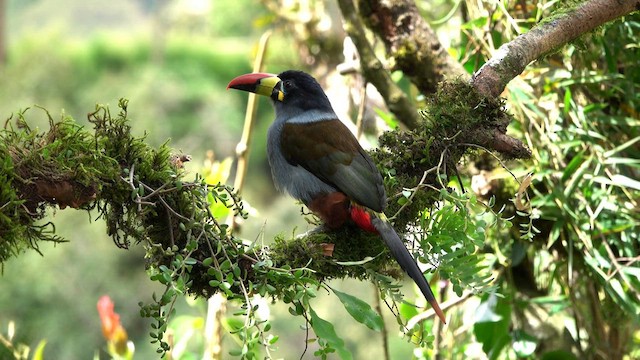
{"x": 417, "y": 52}
{"x": 142, "y": 195}
{"x": 374, "y": 71}
{"x": 565, "y": 26}
{"x": 411, "y": 42}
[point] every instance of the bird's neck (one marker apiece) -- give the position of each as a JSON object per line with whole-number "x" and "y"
{"x": 302, "y": 116}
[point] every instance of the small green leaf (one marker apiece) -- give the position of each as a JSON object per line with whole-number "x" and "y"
{"x": 235, "y": 352}
{"x": 475, "y": 23}
{"x": 226, "y": 265}
{"x": 325, "y": 331}
{"x": 387, "y": 118}
{"x": 360, "y": 310}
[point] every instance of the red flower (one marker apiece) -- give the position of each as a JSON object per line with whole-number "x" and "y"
{"x": 112, "y": 330}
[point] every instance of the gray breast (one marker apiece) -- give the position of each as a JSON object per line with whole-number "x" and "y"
{"x": 294, "y": 180}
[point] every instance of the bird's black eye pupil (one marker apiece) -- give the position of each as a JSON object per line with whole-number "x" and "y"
{"x": 288, "y": 84}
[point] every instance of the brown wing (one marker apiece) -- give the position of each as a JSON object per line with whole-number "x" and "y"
{"x": 328, "y": 150}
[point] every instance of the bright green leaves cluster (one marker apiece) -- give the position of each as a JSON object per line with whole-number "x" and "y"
{"x": 327, "y": 337}
{"x": 454, "y": 234}
{"x": 493, "y": 328}
{"x": 296, "y": 287}
{"x": 572, "y": 255}
{"x": 216, "y": 173}
{"x": 250, "y": 332}
{"x": 175, "y": 278}
{"x": 584, "y": 185}
{"x": 158, "y": 310}
{"x": 492, "y": 325}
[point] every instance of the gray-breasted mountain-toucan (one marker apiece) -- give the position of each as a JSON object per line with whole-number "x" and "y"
{"x": 317, "y": 160}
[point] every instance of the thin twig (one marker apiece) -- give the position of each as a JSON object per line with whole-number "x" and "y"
{"x": 384, "y": 333}
{"x": 413, "y": 192}
{"x": 306, "y": 336}
{"x": 243, "y": 147}
{"x": 444, "y": 306}
{"x": 502, "y": 164}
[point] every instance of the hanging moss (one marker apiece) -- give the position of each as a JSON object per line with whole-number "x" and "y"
{"x": 43, "y": 169}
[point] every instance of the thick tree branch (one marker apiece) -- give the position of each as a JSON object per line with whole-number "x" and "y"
{"x": 374, "y": 71}
{"x": 512, "y": 58}
{"x": 410, "y": 40}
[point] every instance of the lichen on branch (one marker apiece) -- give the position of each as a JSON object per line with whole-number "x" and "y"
{"x": 564, "y": 26}
{"x": 411, "y": 42}
{"x": 374, "y": 71}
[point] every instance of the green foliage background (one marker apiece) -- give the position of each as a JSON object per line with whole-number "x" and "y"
{"x": 68, "y": 56}
{"x": 582, "y": 125}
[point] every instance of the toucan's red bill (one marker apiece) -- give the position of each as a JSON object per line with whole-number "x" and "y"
{"x": 242, "y": 81}
{"x": 259, "y": 83}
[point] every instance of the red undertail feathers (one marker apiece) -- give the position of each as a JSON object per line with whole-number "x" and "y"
{"x": 362, "y": 218}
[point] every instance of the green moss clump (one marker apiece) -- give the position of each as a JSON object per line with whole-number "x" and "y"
{"x": 42, "y": 169}
{"x": 351, "y": 245}
{"x": 457, "y": 111}
{"x": 140, "y": 168}
{"x": 455, "y": 116}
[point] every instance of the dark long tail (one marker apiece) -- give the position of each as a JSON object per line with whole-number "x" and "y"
{"x": 406, "y": 261}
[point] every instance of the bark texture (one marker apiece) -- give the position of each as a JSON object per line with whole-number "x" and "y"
{"x": 513, "y": 57}
{"x": 411, "y": 42}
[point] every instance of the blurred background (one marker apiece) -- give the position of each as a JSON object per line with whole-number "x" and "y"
{"x": 172, "y": 60}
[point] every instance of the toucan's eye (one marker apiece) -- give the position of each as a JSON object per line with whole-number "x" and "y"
{"x": 287, "y": 84}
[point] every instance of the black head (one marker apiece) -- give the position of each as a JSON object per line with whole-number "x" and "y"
{"x": 302, "y": 91}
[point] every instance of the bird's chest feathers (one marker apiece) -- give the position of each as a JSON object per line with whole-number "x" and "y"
{"x": 287, "y": 148}
{"x": 312, "y": 156}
